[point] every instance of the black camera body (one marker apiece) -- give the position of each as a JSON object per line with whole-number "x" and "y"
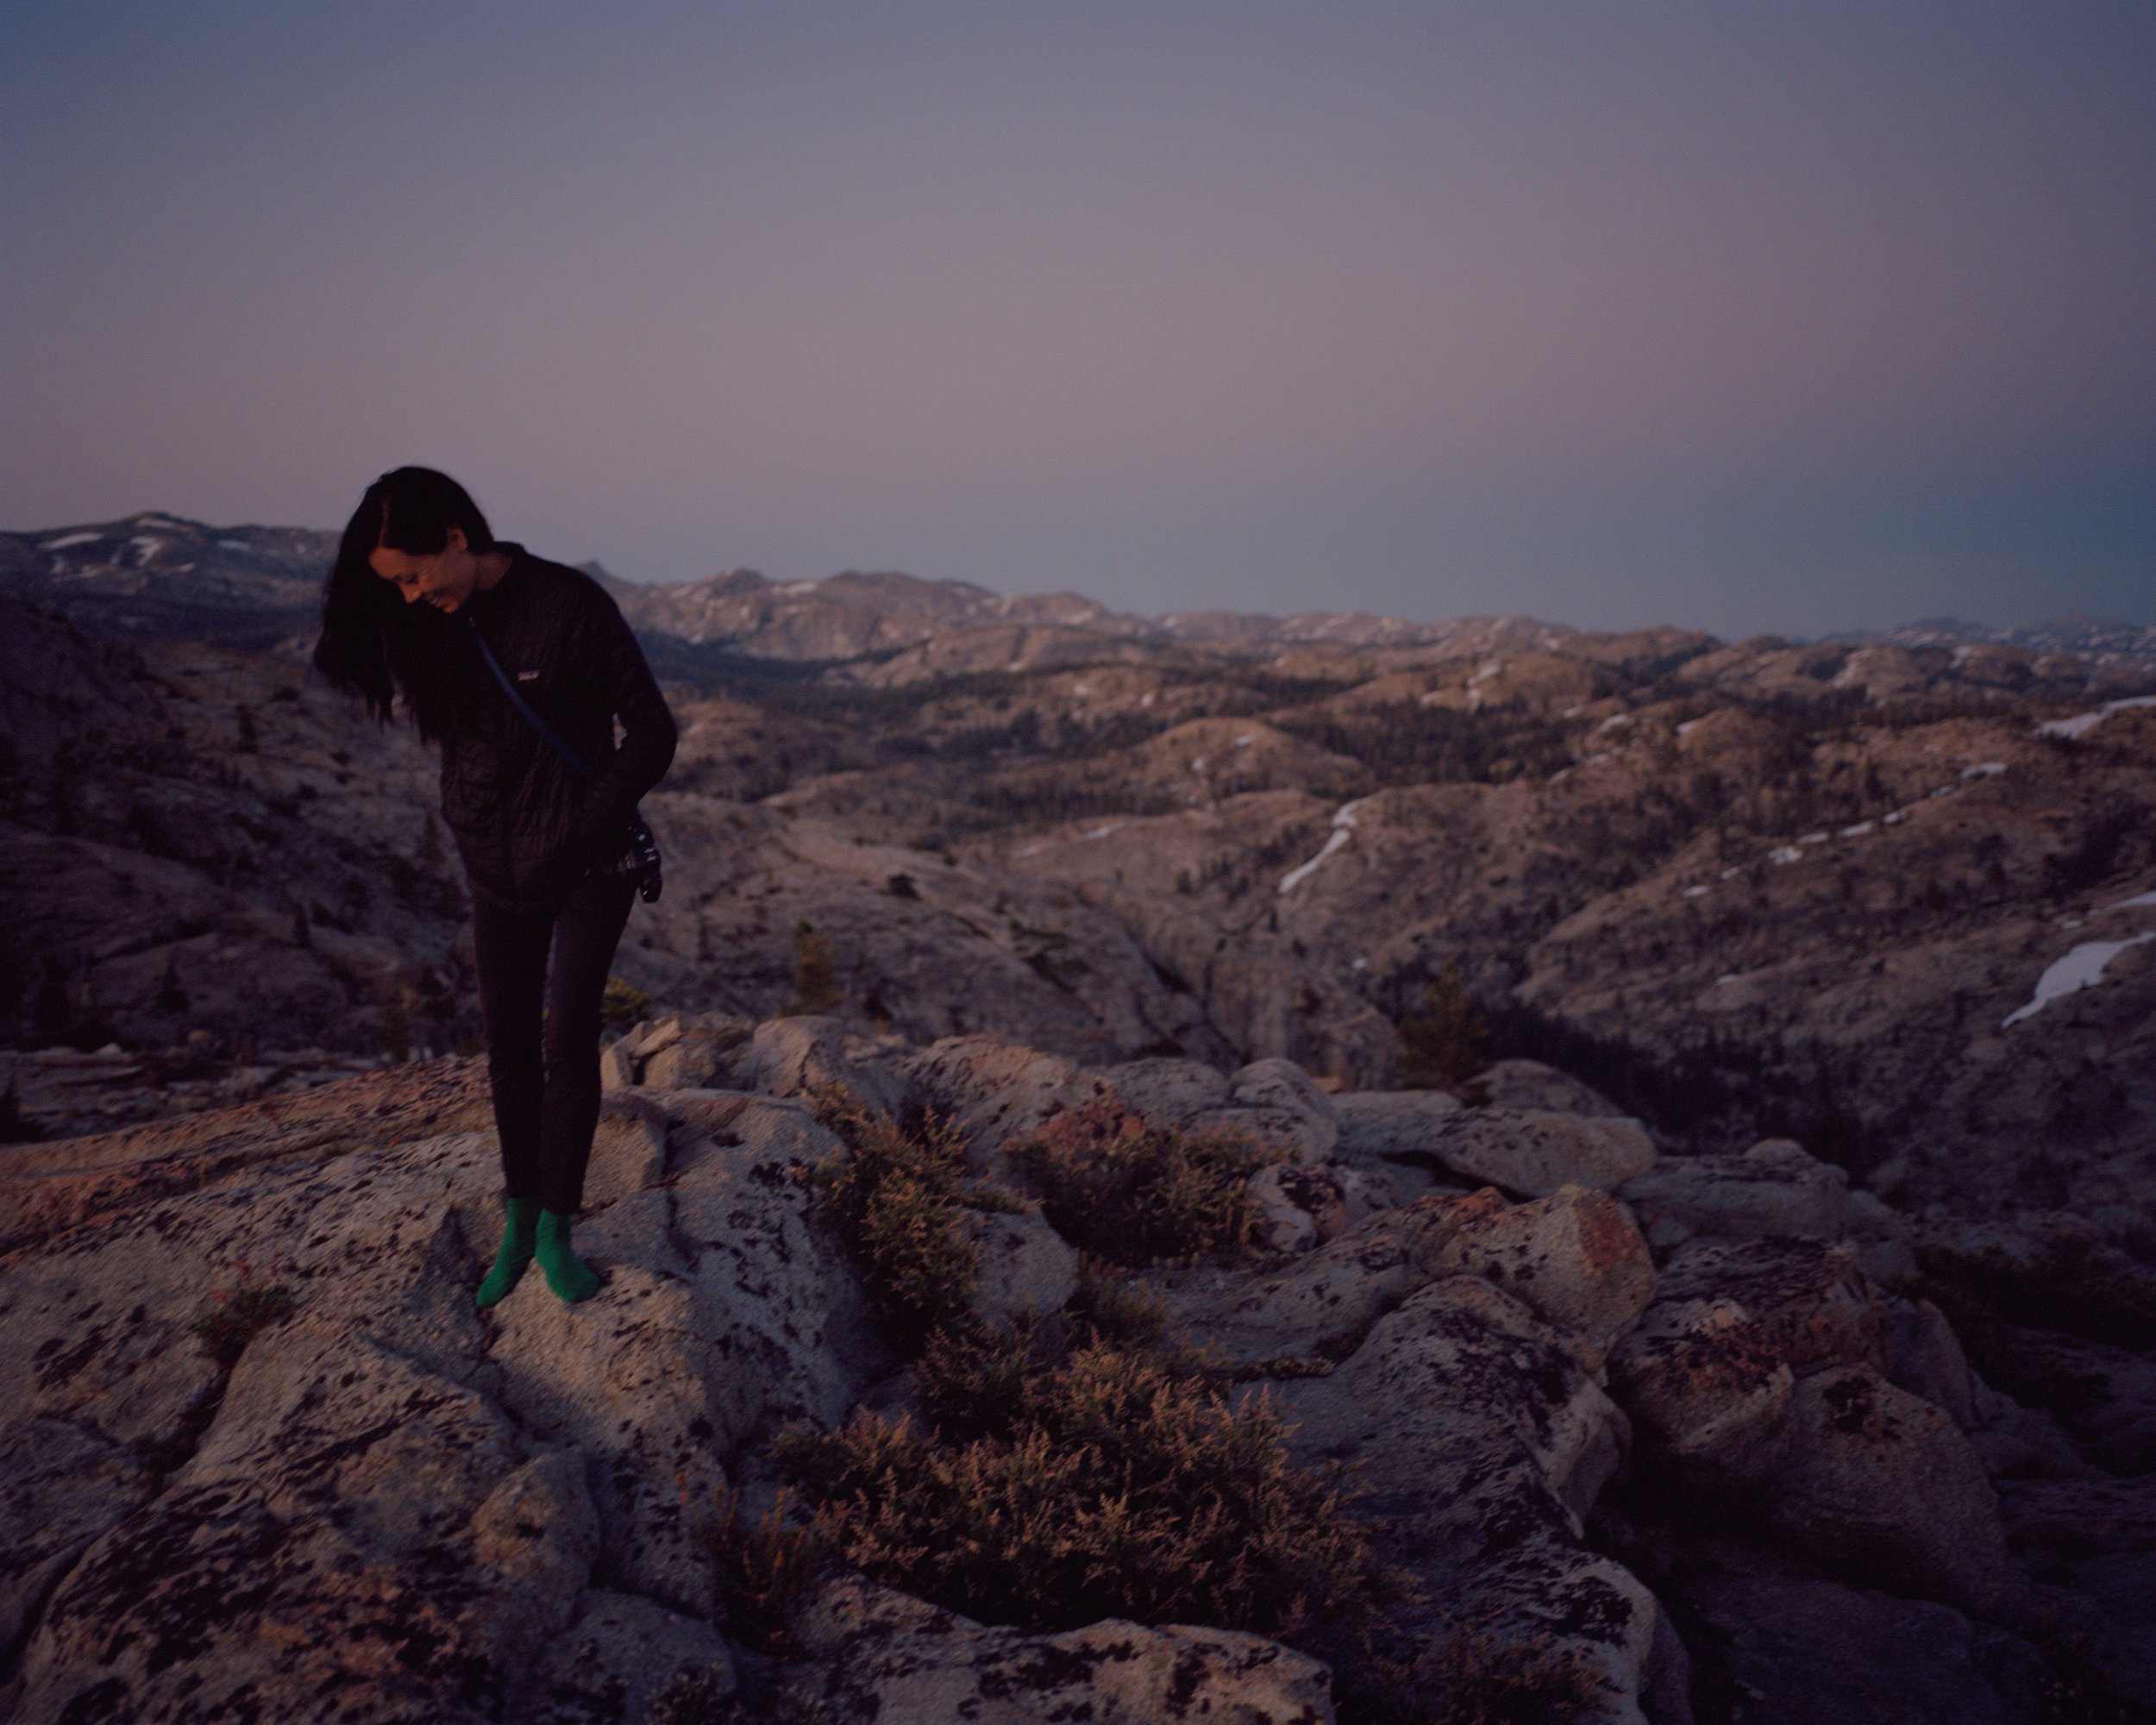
{"x": 639, "y": 861}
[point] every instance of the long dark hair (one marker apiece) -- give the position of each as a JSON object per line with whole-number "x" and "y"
{"x": 373, "y": 644}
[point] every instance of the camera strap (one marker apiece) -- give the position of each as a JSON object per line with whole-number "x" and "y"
{"x": 523, "y": 706}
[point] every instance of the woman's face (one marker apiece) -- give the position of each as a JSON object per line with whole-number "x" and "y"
{"x": 446, "y": 579}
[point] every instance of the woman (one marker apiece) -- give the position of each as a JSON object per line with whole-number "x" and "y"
{"x": 417, "y": 578}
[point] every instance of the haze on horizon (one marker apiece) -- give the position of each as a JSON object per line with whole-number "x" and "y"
{"x": 1774, "y": 317}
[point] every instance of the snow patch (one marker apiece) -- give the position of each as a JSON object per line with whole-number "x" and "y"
{"x": 1857, "y": 832}
{"x": 2082, "y": 967}
{"x": 1343, "y": 829}
{"x": 2138, "y": 900}
{"x": 1245, "y": 740}
{"x": 67, "y": 539}
{"x": 1614, "y": 721}
{"x": 1813, "y": 838}
{"x": 145, "y": 546}
{"x": 234, "y": 545}
{"x": 1786, "y": 854}
{"x": 1695, "y": 892}
{"x": 1689, "y": 726}
{"x": 1198, "y": 763}
{"x": 2082, "y": 723}
{"x": 1100, "y": 832}
{"x": 1984, "y": 769}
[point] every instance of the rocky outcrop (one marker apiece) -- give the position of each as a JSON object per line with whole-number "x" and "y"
{"x": 1532, "y": 1151}
{"x": 677, "y": 1052}
{"x": 1025, "y": 1266}
{"x": 1774, "y": 1187}
{"x": 878, "y": 1655}
{"x": 1452, "y": 1352}
{"x": 368, "y": 1489}
{"x": 1759, "y": 1374}
{"x": 389, "y": 1497}
{"x": 1534, "y": 1084}
{"x": 806, "y": 1056}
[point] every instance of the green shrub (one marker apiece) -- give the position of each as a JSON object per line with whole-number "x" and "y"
{"x": 1133, "y": 1193}
{"x": 2069, "y": 1282}
{"x": 763, "y": 1570}
{"x": 396, "y": 1024}
{"x": 896, "y": 1200}
{"x": 1061, "y": 1478}
{"x": 815, "y": 971}
{"x": 1446, "y": 1044}
{"x": 623, "y": 1005}
{"x": 239, "y": 1313}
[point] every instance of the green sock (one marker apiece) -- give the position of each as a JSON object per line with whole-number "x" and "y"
{"x": 566, "y": 1274}
{"x": 519, "y": 1238}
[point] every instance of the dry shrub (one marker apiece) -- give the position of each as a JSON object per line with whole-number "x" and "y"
{"x": 1488, "y": 1682}
{"x": 763, "y": 1569}
{"x": 1134, "y": 1192}
{"x": 1474, "y": 1677}
{"x": 1061, "y": 1478}
{"x": 896, "y": 1200}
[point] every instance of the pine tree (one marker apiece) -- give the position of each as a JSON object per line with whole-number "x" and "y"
{"x": 1446, "y": 1045}
{"x": 815, "y": 971}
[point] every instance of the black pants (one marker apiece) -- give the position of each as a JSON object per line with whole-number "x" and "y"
{"x": 545, "y": 1068}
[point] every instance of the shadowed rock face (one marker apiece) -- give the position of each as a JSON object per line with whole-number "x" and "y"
{"x": 378, "y": 1495}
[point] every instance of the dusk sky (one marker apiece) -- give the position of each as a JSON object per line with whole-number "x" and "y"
{"x": 1740, "y": 315}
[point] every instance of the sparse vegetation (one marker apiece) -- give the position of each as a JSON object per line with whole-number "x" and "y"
{"x": 1448, "y": 1042}
{"x": 623, "y": 1005}
{"x": 1133, "y": 1193}
{"x": 896, "y": 1199}
{"x": 1405, "y": 743}
{"x": 1474, "y": 1677}
{"x": 1063, "y": 1477}
{"x": 240, "y": 1313}
{"x": 763, "y": 1569}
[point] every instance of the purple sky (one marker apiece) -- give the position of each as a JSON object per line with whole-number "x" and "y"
{"x": 1745, "y": 316}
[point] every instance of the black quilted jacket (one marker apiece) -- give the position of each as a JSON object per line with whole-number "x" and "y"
{"x": 527, "y": 826}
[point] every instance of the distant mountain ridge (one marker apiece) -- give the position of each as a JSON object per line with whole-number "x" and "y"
{"x": 162, "y": 575}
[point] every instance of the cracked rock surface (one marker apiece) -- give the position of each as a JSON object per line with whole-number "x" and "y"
{"x": 372, "y": 1502}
